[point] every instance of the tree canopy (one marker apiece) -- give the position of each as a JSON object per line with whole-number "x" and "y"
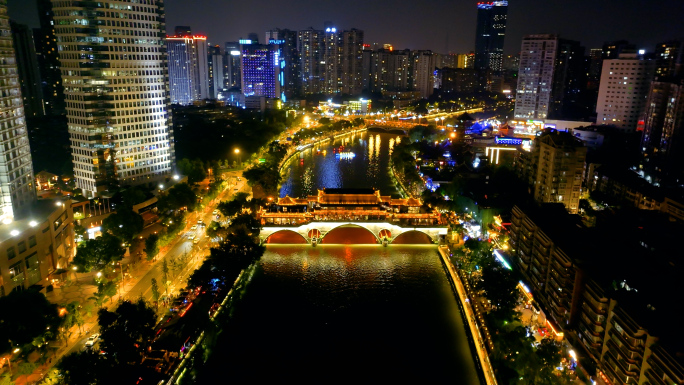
{"x": 124, "y": 223}
{"x": 177, "y": 197}
{"x": 127, "y": 330}
{"x": 152, "y": 246}
{"x": 265, "y": 175}
{"x": 96, "y": 254}
{"x": 26, "y": 315}
{"x": 194, "y": 169}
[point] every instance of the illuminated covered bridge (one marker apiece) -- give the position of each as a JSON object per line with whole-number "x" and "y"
{"x": 315, "y": 217}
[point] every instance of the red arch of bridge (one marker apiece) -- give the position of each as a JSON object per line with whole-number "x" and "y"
{"x": 299, "y": 239}
{"x": 413, "y": 234}
{"x": 349, "y": 241}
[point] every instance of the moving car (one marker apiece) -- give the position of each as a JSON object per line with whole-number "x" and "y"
{"x": 196, "y": 241}
{"x": 191, "y": 237}
{"x": 214, "y": 212}
{"x": 91, "y": 340}
{"x": 194, "y": 227}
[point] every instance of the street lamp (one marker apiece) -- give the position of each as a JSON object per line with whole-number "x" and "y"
{"x": 237, "y": 152}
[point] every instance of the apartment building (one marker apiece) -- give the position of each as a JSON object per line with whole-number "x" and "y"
{"x": 557, "y": 169}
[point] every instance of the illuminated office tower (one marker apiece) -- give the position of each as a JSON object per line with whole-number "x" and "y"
{"x": 48, "y": 60}
{"x": 188, "y": 68}
{"x": 261, "y": 69}
{"x": 490, "y": 34}
{"x": 29, "y": 75}
{"x": 289, "y": 55}
{"x": 215, "y": 64}
{"x": 114, "y": 71}
{"x": 16, "y": 172}
{"x": 232, "y": 65}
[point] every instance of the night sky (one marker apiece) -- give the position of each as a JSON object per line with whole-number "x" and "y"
{"x": 423, "y": 24}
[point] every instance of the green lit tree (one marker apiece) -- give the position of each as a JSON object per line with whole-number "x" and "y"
{"x": 126, "y": 331}
{"x": 152, "y": 246}
{"x": 125, "y": 224}
{"x": 98, "y": 253}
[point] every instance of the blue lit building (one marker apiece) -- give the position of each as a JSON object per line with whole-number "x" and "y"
{"x": 490, "y": 34}
{"x": 262, "y": 73}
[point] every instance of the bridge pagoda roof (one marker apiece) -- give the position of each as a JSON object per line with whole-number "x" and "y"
{"x": 341, "y": 196}
{"x": 288, "y": 201}
{"x": 410, "y": 202}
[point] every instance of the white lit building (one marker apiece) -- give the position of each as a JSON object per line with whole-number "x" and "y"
{"x": 535, "y": 76}
{"x": 188, "y": 69}
{"x": 17, "y": 191}
{"x": 114, "y": 70}
{"x": 623, "y": 92}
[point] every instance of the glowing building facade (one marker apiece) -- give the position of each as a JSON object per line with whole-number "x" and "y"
{"x": 114, "y": 70}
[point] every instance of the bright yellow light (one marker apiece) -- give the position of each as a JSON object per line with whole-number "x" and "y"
{"x": 453, "y": 135}
{"x": 237, "y": 150}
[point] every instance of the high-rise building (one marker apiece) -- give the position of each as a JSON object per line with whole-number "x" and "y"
{"x": 399, "y": 71}
{"x": 490, "y": 34}
{"x": 188, "y": 68}
{"x": 48, "y": 60}
{"x": 613, "y": 49}
{"x": 289, "y": 54}
{"x": 459, "y": 80}
{"x": 462, "y": 60}
{"x": 568, "y": 100}
{"x": 331, "y": 60}
{"x": 669, "y": 56}
{"x": 232, "y": 64}
{"x": 351, "y": 62}
{"x": 557, "y": 169}
{"x": 623, "y": 90}
{"x": 261, "y": 65}
{"x": 17, "y": 191}
{"x": 215, "y": 64}
{"x": 422, "y": 79}
{"x": 311, "y": 47}
{"x": 535, "y": 76}
{"x": 595, "y": 64}
{"x": 662, "y": 143}
{"x": 511, "y": 63}
{"x": 29, "y": 75}
{"x": 117, "y": 100}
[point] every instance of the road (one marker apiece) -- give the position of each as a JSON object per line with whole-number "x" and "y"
{"x": 143, "y": 286}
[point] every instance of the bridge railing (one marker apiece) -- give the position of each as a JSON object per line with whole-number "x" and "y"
{"x": 402, "y": 222}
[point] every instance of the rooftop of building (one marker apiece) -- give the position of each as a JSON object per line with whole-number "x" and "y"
{"x": 563, "y": 228}
{"x": 560, "y": 139}
{"x": 38, "y": 213}
{"x": 630, "y": 179}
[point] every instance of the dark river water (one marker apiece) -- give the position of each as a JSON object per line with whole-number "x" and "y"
{"x": 322, "y": 166}
{"x": 347, "y": 314}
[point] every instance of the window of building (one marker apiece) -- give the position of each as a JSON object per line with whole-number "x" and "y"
{"x": 21, "y": 246}
{"x": 11, "y": 253}
{"x": 32, "y": 241}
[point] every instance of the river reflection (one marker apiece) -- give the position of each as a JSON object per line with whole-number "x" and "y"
{"x": 332, "y": 165}
{"x": 354, "y": 314}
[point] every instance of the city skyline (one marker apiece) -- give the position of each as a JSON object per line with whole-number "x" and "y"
{"x": 394, "y": 22}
